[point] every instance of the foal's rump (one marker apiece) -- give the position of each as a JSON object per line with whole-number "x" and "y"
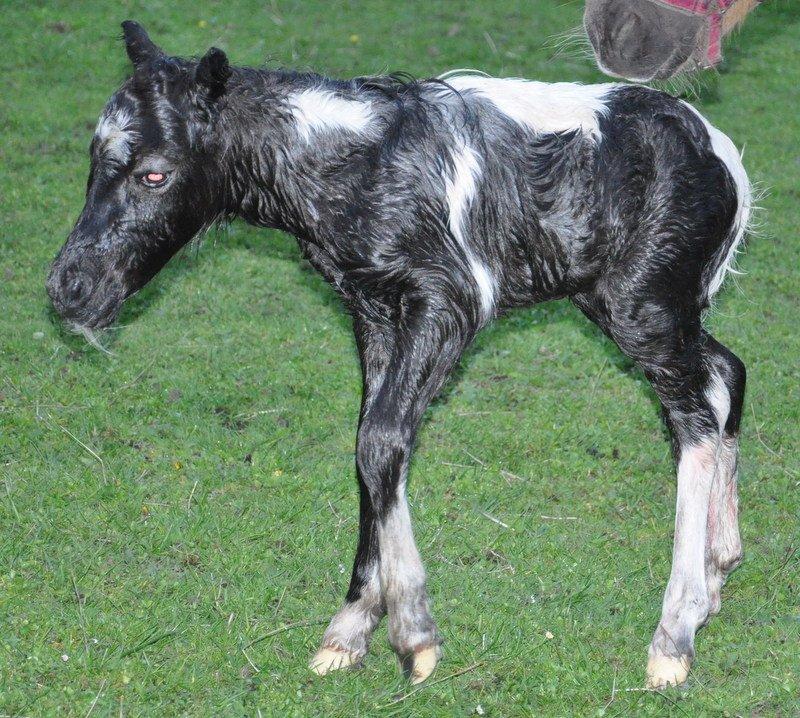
{"x": 672, "y": 189}
{"x": 549, "y": 187}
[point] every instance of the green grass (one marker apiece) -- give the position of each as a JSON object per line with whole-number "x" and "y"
{"x": 164, "y": 511}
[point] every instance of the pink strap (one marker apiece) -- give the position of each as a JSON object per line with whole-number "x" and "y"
{"x": 699, "y": 7}
{"x": 713, "y": 11}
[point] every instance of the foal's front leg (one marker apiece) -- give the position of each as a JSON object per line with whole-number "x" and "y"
{"x": 424, "y": 351}
{"x": 346, "y": 640}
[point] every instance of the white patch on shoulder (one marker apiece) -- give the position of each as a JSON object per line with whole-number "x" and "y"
{"x": 320, "y": 110}
{"x": 115, "y": 135}
{"x": 725, "y": 149}
{"x": 541, "y": 106}
{"x": 460, "y": 190}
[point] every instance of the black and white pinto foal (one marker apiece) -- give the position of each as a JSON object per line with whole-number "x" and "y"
{"x": 433, "y": 207}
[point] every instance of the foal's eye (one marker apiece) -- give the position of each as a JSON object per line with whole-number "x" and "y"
{"x": 154, "y": 179}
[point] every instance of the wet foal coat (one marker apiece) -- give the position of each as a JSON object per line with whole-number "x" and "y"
{"x": 432, "y": 207}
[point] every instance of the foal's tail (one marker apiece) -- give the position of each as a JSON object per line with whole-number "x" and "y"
{"x": 728, "y": 154}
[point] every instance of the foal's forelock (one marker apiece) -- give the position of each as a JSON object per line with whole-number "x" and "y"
{"x": 115, "y": 135}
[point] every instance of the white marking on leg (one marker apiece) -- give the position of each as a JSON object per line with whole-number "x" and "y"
{"x": 460, "y": 190}
{"x": 352, "y": 625}
{"x": 686, "y": 603}
{"x": 541, "y": 106}
{"x": 317, "y": 110}
{"x": 346, "y": 640}
{"x": 723, "y": 542}
{"x": 719, "y": 397}
{"x": 696, "y": 471}
{"x": 403, "y": 581}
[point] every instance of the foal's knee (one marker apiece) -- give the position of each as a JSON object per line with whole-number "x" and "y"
{"x": 382, "y": 452}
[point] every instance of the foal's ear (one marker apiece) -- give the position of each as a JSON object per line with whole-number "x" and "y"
{"x": 138, "y": 44}
{"x": 212, "y": 73}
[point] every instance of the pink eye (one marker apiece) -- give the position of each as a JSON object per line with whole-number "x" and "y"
{"x": 153, "y": 179}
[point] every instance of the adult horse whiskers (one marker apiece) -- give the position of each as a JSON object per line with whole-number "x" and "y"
{"x": 432, "y": 207}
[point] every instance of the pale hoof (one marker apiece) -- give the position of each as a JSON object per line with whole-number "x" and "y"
{"x": 663, "y": 671}
{"x": 328, "y": 659}
{"x": 422, "y": 664}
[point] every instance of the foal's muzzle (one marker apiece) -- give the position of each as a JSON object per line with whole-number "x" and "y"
{"x": 80, "y": 295}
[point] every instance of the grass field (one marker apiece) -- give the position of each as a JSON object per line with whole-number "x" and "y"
{"x": 177, "y": 521}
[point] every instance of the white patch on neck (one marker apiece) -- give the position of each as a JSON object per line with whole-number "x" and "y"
{"x": 115, "y": 136}
{"x": 322, "y": 111}
{"x": 460, "y": 190}
{"x": 543, "y": 107}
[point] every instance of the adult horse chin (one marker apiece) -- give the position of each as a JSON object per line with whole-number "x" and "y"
{"x": 644, "y": 40}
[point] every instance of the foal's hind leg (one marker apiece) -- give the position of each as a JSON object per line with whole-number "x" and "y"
{"x": 685, "y": 368}
{"x": 702, "y": 403}
{"x": 723, "y": 543}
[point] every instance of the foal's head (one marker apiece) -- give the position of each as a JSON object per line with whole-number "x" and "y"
{"x": 151, "y": 185}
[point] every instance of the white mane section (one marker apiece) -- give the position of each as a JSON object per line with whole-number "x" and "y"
{"x": 541, "y": 106}
{"x": 725, "y": 149}
{"x": 115, "y": 136}
{"x": 460, "y": 190}
{"x": 320, "y": 110}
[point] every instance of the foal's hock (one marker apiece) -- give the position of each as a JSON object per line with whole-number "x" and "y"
{"x": 432, "y": 207}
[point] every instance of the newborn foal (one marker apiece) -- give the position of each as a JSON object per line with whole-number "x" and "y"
{"x": 432, "y": 207}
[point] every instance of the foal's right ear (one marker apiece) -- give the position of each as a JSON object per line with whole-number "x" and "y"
{"x": 139, "y": 46}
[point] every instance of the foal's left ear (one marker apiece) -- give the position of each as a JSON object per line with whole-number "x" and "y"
{"x": 212, "y": 73}
{"x": 139, "y": 46}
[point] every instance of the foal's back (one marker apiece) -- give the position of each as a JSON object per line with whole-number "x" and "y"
{"x": 544, "y": 188}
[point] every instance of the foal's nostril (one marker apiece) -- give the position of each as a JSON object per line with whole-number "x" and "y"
{"x": 75, "y": 290}
{"x": 70, "y": 288}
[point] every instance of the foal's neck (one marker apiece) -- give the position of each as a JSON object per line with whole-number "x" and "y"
{"x": 294, "y": 149}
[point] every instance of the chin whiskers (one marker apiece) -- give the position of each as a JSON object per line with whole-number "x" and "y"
{"x": 91, "y": 338}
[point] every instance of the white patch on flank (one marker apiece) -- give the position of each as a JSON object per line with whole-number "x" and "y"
{"x": 320, "y": 110}
{"x": 114, "y": 133}
{"x": 460, "y": 190}
{"x": 541, "y": 106}
{"x": 719, "y": 397}
{"x": 725, "y": 149}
